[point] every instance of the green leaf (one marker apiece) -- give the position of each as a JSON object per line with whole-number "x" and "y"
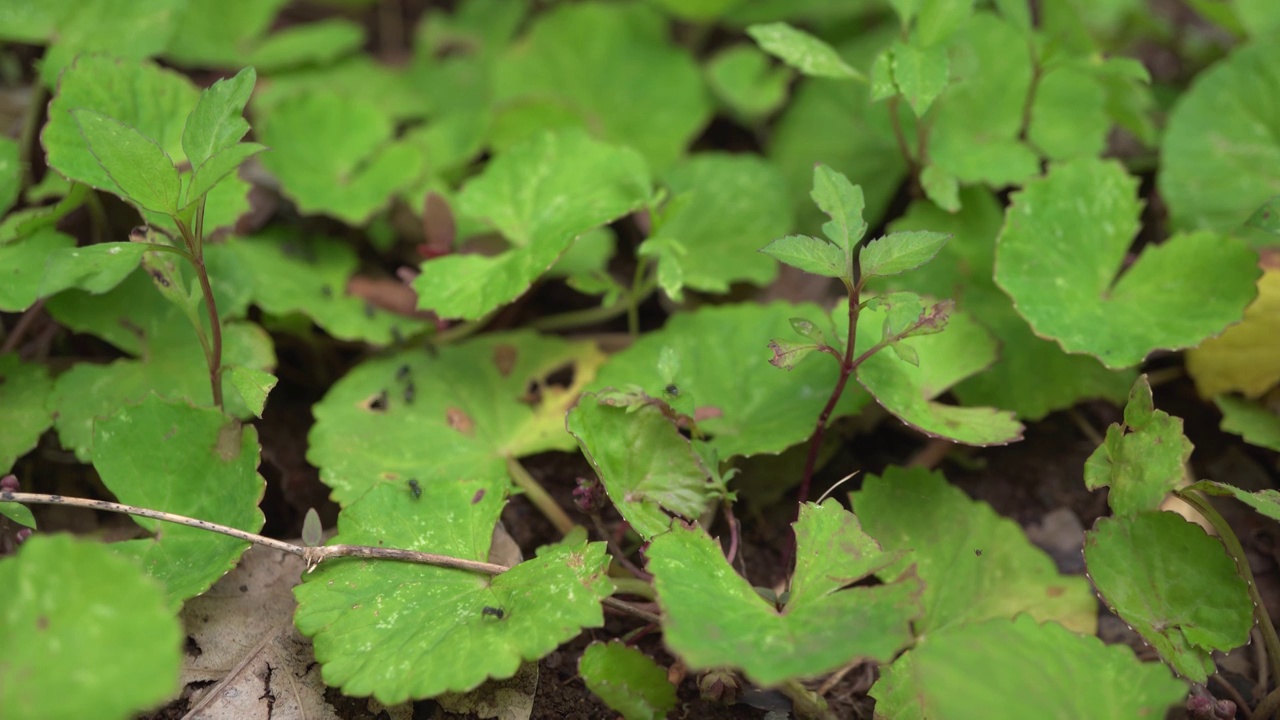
{"x": 610, "y": 68}
{"x": 921, "y": 74}
{"x": 540, "y": 196}
{"x": 1141, "y": 460}
{"x": 217, "y": 167}
{"x": 802, "y": 51}
{"x": 786, "y": 354}
{"x": 138, "y": 167}
{"x": 712, "y": 617}
{"x": 215, "y": 124}
{"x": 1032, "y": 376}
{"x": 842, "y": 201}
{"x": 939, "y": 19}
{"x": 834, "y": 122}
{"x": 96, "y": 26}
{"x": 900, "y": 252}
{"x": 11, "y": 172}
{"x": 1064, "y": 244}
{"x": 460, "y": 628}
{"x": 1159, "y": 573}
{"x": 61, "y": 659}
{"x": 219, "y": 33}
{"x": 27, "y": 221}
{"x": 627, "y": 680}
{"x": 94, "y": 268}
{"x": 908, "y": 391}
{"x": 743, "y": 79}
{"x": 743, "y": 403}
{"x": 253, "y": 385}
{"x": 166, "y": 455}
{"x": 1250, "y": 420}
{"x": 1220, "y": 157}
{"x": 731, "y": 204}
{"x": 152, "y": 101}
{"x": 810, "y": 254}
{"x": 645, "y": 464}
{"x": 288, "y": 273}
{"x": 336, "y": 155}
{"x": 1069, "y": 115}
{"x": 975, "y": 564}
{"x": 1027, "y": 663}
{"x": 974, "y": 134}
{"x": 23, "y": 264}
{"x": 1265, "y": 502}
{"x": 318, "y": 43}
{"x": 24, "y": 390}
{"x": 136, "y": 319}
{"x": 474, "y": 406}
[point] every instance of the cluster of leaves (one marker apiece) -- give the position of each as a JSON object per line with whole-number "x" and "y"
{"x": 546, "y": 142}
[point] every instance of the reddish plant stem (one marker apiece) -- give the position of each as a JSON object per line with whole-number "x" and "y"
{"x": 847, "y": 364}
{"x": 23, "y": 325}
{"x": 195, "y": 248}
{"x": 733, "y": 533}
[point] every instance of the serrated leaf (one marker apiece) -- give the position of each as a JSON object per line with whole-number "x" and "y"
{"x": 288, "y": 272}
{"x": 539, "y": 195}
{"x": 1064, "y": 244}
{"x": 1265, "y": 502}
{"x": 457, "y": 628}
{"x": 627, "y": 680}
{"x": 1159, "y": 572}
{"x": 786, "y": 355}
{"x": 473, "y": 407}
{"x": 138, "y": 167}
{"x": 606, "y": 67}
{"x": 136, "y": 319}
{"x": 335, "y": 155}
{"x": 94, "y": 268}
{"x": 24, "y": 391}
{"x": 1028, "y": 664}
{"x": 1032, "y": 376}
{"x": 1250, "y": 420}
{"x": 975, "y": 564}
{"x": 1245, "y": 358}
{"x": 95, "y": 26}
{"x": 908, "y": 391}
{"x": 61, "y": 659}
{"x": 822, "y": 627}
{"x": 842, "y": 201}
{"x": 253, "y": 385}
{"x": 646, "y": 466}
{"x": 802, "y": 51}
{"x": 1141, "y": 460}
{"x": 921, "y": 73}
{"x": 899, "y": 252}
{"x": 745, "y": 404}
{"x": 217, "y": 167}
{"x": 167, "y": 455}
{"x": 732, "y": 204}
{"x": 810, "y": 254}
{"x": 216, "y": 125}
{"x": 1218, "y": 166}
{"x": 742, "y": 78}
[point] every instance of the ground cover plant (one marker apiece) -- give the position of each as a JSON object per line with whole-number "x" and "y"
{"x": 729, "y": 358}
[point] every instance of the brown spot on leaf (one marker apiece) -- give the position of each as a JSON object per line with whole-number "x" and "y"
{"x": 1054, "y": 590}
{"x": 42, "y": 622}
{"x": 504, "y": 356}
{"x": 478, "y": 496}
{"x": 459, "y": 420}
{"x": 229, "y": 437}
{"x": 707, "y": 412}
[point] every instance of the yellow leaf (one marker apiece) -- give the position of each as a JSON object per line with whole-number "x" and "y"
{"x": 1245, "y": 358}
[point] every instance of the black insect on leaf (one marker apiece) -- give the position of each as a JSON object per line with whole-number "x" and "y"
{"x": 493, "y": 612}
{"x": 408, "y": 393}
{"x": 672, "y": 390}
{"x": 403, "y": 372}
{"x": 415, "y": 488}
{"x": 326, "y": 291}
{"x": 368, "y": 309}
{"x": 379, "y": 403}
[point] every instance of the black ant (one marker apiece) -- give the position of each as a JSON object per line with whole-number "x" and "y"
{"x": 415, "y": 489}
{"x": 493, "y": 612}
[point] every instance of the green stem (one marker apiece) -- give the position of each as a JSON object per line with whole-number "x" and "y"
{"x": 213, "y": 355}
{"x": 1232, "y": 544}
{"x": 462, "y": 330}
{"x": 634, "y": 299}
{"x": 595, "y": 315}
{"x": 633, "y": 586}
{"x": 30, "y": 128}
{"x": 539, "y": 496}
{"x": 1269, "y": 706}
{"x": 805, "y": 703}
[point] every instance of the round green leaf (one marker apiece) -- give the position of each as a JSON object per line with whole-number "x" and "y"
{"x": 1220, "y": 157}
{"x": 712, "y": 617}
{"x": 462, "y": 413}
{"x": 24, "y": 390}
{"x": 627, "y": 680}
{"x": 743, "y": 78}
{"x": 1060, "y": 257}
{"x": 608, "y": 67}
{"x": 86, "y": 634}
{"x": 197, "y": 462}
{"x": 745, "y": 405}
{"x": 1173, "y": 584}
{"x": 1033, "y": 671}
{"x": 399, "y": 630}
{"x": 975, "y": 564}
